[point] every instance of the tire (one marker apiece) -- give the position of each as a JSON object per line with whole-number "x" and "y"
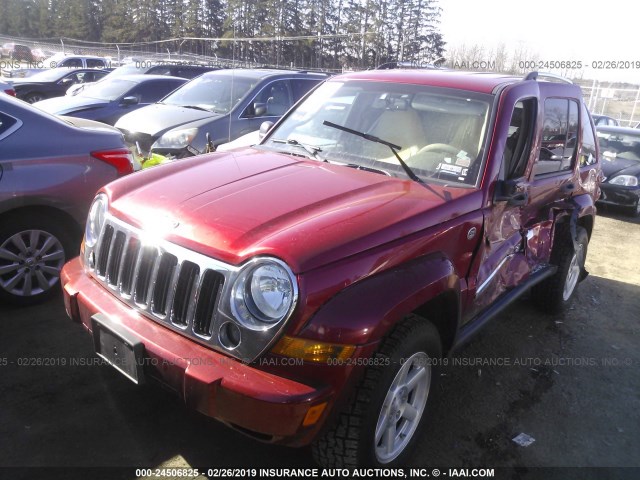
{"x": 553, "y": 294}
{"x": 32, "y": 252}
{"x": 351, "y": 441}
{"x": 635, "y": 210}
{"x": 34, "y": 97}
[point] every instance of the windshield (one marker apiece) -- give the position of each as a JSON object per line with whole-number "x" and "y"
{"x": 619, "y": 145}
{"x": 216, "y": 93}
{"x": 51, "y": 75}
{"x": 439, "y": 132}
{"x": 107, "y": 89}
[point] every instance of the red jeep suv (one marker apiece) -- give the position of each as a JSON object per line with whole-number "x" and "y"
{"x": 303, "y": 290}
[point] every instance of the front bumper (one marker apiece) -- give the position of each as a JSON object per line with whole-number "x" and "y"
{"x": 619, "y": 195}
{"x": 266, "y": 406}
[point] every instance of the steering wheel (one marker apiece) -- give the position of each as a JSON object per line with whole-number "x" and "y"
{"x": 439, "y": 147}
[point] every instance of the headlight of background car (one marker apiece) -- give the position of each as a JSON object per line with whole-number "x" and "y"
{"x": 176, "y": 138}
{"x": 625, "y": 180}
{"x": 264, "y": 293}
{"x": 95, "y": 220}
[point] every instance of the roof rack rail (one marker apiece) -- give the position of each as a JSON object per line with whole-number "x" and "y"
{"x": 535, "y": 75}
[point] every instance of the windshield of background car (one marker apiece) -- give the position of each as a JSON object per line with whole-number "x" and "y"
{"x": 216, "y": 93}
{"x": 107, "y": 90}
{"x": 440, "y": 132}
{"x": 132, "y": 69}
{"x": 619, "y": 145}
{"x": 49, "y": 75}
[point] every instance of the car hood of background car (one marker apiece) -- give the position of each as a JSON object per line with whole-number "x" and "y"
{"x": 233, "y": 206}
{"x": 158, "y": 118}
{"x": 620, "y": 166}
{"x": 65, "y": 105}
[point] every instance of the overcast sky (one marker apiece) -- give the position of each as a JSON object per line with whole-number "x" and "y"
{"x": 554, "y": 29}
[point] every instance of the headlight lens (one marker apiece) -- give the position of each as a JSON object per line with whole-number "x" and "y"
{"x": 176, "y": 138}
{"x": 264, "y": 293}
{"x": 625, "y": 180}
{"x": 95, "y": 220}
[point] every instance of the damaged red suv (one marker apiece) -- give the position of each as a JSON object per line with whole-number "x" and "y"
{"x": 301, "y": 290}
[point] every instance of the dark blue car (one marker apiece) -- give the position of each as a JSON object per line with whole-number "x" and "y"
{"x": 106, "y": 101}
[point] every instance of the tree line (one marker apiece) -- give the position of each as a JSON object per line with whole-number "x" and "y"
{"x": 328, "y": 33}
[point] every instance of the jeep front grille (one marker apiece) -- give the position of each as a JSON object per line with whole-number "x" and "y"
{"x": 167, "y": 283}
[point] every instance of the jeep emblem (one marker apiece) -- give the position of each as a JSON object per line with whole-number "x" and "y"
{"x": 471, "y": 233}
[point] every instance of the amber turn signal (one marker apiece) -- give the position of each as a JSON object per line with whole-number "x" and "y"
{"x": 313, "y": 414}
{"x": 311, "y": 350}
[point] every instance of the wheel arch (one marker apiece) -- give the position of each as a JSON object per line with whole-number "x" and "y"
{"x": 27, "y": 211}
{"x": 367, "y": 311}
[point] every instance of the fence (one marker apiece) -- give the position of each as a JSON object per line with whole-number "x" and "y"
{"x": 619, "y": 101}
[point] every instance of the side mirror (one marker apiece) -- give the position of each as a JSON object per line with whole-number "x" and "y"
{"x": 67, "y": 81}
{"x": 259, "y": 109}
{"x": 264, "y": 129}
{"x": 129, "y": 101}
{"x": 512, "y": 192}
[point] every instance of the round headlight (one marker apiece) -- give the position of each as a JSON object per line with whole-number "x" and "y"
{"x": 264, "y": 293}
{"x": 95, "y": 220}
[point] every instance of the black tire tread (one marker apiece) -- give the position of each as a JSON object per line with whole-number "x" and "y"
{"x": 338, "y": 447}
{"x": 547, "y": 295}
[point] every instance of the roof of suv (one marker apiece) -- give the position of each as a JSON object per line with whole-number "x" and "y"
{"x": 260, "y": 73}
{"x": 473, "y": 81}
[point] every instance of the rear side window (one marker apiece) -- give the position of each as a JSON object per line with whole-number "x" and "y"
{"x": 8, "y": 125}
{"x": 559, "y": 136}
{"x": 588, "y": 151}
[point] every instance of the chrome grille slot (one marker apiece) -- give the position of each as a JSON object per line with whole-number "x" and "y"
{"x": 181, "y": 289}
{"x": 115, "y": 258}
{"x": 210, "y": 288}
{"x": 162, "y": 285}
{"x": 103, "y": 253}
{"x": 187, "y": 279}
{"x": 128, "y": 266}
{"x": 146, "y": 260}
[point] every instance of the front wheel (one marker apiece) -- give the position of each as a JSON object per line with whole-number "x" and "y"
{"x": 384, "y": 421}
{"x": 554, "y": 293}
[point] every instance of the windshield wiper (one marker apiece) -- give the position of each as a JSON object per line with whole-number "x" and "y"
{"x": 372, "y": 138}
{"x": 310, "y": 149}
{"x": 196, "y": 107}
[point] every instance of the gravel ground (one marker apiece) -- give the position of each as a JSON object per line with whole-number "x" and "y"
{"x": 570, "y": 381}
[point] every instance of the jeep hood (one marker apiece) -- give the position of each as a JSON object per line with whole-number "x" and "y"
{"x": 158, "y": 118}
{"x": 233, "y": 206}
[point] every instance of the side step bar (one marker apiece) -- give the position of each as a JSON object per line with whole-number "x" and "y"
{"x": 475, "y": 325}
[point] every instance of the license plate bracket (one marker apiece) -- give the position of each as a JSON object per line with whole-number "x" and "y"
{"x": 119, "y": 348}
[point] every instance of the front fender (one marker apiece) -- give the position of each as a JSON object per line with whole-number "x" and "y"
{"x": 367, "y": 310}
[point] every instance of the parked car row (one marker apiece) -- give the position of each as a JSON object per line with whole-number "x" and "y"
{"x": 50, "y": 169}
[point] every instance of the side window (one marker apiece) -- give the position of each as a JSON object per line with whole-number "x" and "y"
{"x": 92, "y": 63}
{"x": 277, "y": 97}
{"x": 588, "y": 151}
{"x": 559, "y": 132}
{"x": 7, "y": 125}
{"x": 518, "y": 144}
{"x": 71, "y": 63}
{"x": 300, "y": 87}
{"x": 151, "y": 92}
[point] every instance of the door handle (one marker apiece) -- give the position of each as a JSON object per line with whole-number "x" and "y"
{"x": 568, "y": 187}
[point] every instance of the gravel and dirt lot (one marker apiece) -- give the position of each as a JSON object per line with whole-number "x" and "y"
{"x": 570, "y": 381}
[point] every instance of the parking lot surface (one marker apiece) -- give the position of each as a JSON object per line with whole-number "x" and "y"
{"x": 571, "y": 381}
